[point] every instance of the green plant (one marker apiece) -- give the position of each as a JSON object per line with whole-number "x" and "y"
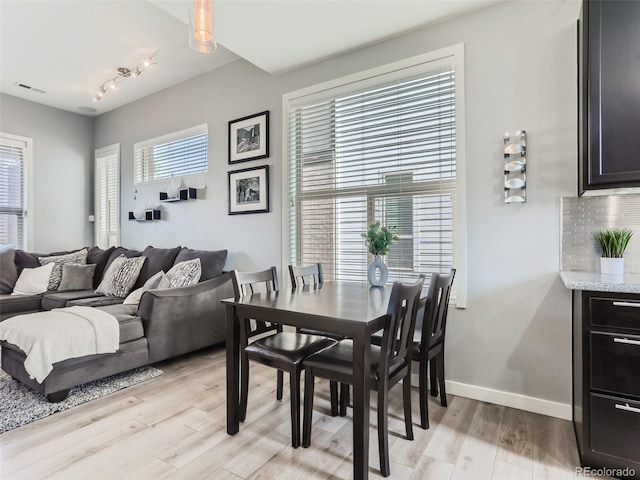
{"x": 613, "y": 241}
{"x": 379, "y": 239}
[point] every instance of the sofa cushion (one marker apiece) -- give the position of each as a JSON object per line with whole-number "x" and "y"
{"x": 8, "y": 271}
{"x": 185, "y": 273}
{"x": 96, "y": 301}
{"x": 33, "y": 281}
{"x": 79, "y": 257}
{"x": 130, "y": 324}
{"x": 212, "y": 262}
{"x": 76, "y": 277}
{"x": 13, "y": 304}
{"x": 120, "y": 276}
{"x": 30, "y": 260}
{"x": 51, "y": 300}
{"x": 99, "y": 257}
{"x": 158, "y": 259}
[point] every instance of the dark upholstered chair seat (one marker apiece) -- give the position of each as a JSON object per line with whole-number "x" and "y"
{"x": 286, "y": 347}
{"x": 339, "y": 360}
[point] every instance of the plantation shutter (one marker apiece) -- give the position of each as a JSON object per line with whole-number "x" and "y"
{"x": 107, "y": 200}
{"x": 177, "y": 154}
{"x": 380, "y": 150}
{"x": 13, "y": 195}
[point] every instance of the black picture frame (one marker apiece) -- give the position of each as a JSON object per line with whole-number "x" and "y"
{"x": 249, "y": 190}
{"x": 249, "y": 138}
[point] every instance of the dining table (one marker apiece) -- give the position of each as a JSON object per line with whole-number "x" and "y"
{"x": 353, "y": 309}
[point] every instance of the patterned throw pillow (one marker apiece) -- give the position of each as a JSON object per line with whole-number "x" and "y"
{"x": 120, "y": 276}
{"x": 79, "y": 257}
{"x": 184, "y": 274}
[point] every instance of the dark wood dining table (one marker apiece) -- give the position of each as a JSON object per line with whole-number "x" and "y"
{"x": 353, "y": 309}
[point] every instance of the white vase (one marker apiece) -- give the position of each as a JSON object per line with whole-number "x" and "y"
{"x": 173, "y": 189}
{"x": 611, "y": 266}
{"x": 377, "y": 273}
{"x": 139, "y": 213}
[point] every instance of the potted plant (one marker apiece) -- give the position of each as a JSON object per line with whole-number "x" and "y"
{"x": 378, "y": 240}
{"x": 613, "y": 242}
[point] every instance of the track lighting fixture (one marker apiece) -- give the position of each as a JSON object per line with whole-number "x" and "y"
{"x": 123, "y": 72}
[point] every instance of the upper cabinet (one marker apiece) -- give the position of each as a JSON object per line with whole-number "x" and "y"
{"x": 609, "y": 95}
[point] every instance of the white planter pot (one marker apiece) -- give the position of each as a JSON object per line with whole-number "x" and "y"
{"x": 611, "y": 266}
{"x": 377, "y": 273}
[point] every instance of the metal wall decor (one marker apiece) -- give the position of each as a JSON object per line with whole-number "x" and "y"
{"x": 515, "y": 167}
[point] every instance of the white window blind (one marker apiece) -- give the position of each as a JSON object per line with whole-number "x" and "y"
{"x": 13, "y": 191}
{"x": 107, "y": 196}
{"x": 381, "y": 149}
{"x": 177, "y": 154}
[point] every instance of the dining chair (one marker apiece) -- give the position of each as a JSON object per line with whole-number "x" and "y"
{"x": 390, "y": 363}
{"x": 283, "y": 351}
{"x": 429, "y": 342}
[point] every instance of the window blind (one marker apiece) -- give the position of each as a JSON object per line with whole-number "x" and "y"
{"x": 107, "y": 196}
{"x": 374, "y": 151}
{"x": 177, "y": 154}
{"x": 13, "y": 209}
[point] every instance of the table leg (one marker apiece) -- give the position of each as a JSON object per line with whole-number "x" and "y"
{"x": 233, "y": 371}
{"x": 361, "y": 394}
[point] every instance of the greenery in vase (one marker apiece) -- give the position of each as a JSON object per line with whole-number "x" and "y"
{"x": 379, "y": 239}
{"x": 613, "y": 241}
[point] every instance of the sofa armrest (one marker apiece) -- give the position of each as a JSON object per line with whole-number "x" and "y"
{"x": 184, "y": 319}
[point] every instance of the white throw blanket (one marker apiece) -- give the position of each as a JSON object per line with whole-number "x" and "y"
{"x": 60, "y": 334}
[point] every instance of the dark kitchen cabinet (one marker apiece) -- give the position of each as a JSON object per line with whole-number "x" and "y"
{"x": 606, "y": 379}
{"x": 609, "y": 95}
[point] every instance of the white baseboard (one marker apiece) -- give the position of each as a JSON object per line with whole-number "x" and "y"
{"x": 507, "y": 399}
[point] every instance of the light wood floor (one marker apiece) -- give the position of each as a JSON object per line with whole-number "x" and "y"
{"x": 174, "y": 427}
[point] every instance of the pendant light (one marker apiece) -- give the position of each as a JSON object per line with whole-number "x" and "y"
{"x": 201, "y": 26}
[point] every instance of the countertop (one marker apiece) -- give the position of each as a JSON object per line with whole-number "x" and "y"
{"x": 596, "y": 282}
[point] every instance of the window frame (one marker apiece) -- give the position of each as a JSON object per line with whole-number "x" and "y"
{"x": 28, "y": 197}
{"x": 168, "y": 138}
{"x": 454, "y": 55}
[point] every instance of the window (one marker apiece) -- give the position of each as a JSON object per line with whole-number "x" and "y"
{"x": 15, "y": 154}
{"x": 177, "y": 154}
{"x": 384, "y": 147}
{"x": 107, "y": 199}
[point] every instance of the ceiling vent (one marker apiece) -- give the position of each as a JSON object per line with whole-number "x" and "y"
{"x": 29, "y": 87}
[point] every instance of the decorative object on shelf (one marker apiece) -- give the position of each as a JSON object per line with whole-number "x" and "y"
{"x": 173, "y": 189}
{"x": 201, "y": 27}
{"x": 515, "y": 167}
{"x": 613, "y": 242}
{"x": 249, "y": 138}
{"x": 124, "y": 72}
{"x": 249, "y": 190}
{"x": 151, "y": 214}
{"x": 378, "y": 240}
{"x": 183, "y": 194}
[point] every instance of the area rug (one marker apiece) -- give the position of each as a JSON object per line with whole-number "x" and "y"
{"x": 20, "y": 405}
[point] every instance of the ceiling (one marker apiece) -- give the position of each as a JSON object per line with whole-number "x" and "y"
{"x": 65, "y": 50}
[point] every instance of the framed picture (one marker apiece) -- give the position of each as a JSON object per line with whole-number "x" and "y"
{"x": 249, "y": 138}
{"x": 249, "y": 190}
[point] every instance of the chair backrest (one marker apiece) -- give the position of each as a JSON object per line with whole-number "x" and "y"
{"x": 248, "y": 283}
{"x": 301, "y": 276}
{"x": 434, "y": 322}
{"x": 397, "y": 337}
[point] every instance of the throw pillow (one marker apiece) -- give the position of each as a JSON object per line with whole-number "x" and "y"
{"x": 77, "y": 277}
{"x": 79, "y": 257}
{"x": 159, "y": 280}
{"x": 33, "y": 281}
{"x": 100, "y": 258}
{"x": 184, "y": 274}
{"x": 8, "y": 271}
{"x": 212, "y": 261}
{"x": 120, "y": 276}
{"x": 157, "y": 259}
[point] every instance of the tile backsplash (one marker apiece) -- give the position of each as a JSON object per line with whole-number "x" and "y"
{"x": 583, "y": 216}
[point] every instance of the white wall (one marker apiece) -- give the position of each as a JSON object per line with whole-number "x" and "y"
{"x": 512, "y": 344}
{"x": 63, "y": 169}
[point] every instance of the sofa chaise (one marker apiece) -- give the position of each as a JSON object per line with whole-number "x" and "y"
{"x": 164, "y": 323}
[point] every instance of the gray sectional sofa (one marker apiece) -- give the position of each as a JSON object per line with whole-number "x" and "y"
{"x": 165, "y": 323}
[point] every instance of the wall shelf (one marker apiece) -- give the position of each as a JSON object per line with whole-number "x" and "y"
{"x": 183, "y": 194}
{"x": 515, "y": 167}
{"x": 149, "y": 215}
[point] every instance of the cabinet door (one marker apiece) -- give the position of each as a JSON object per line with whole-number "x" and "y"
{"x": 615, "y": 363}
{"x": 615, "y": 426}
{"x": 613, "y": 94}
